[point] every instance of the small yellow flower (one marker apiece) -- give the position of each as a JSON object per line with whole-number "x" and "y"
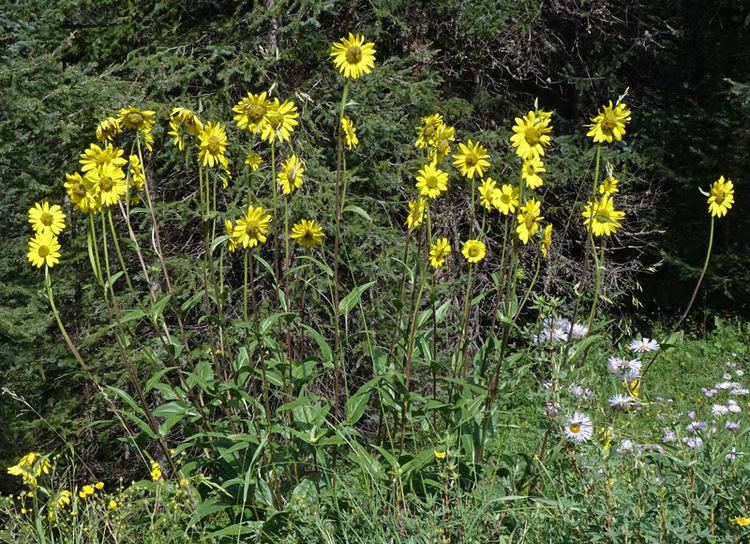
{"x": 46, "y": 218}
{"x": 531, "y": 134}
{"x": 416, "y": 213}
{"x": 86, "y": 491}
{"x": 530, "y": 171}
{"x": 721, "y": 197}
{"x": 439, "y": 252}
{"x": 547, "y": 240}
{"x": 183, "y": 118}
{"x": 473, "y": 251}
{"x": 471, "y": 159}
{"x": 137, "y": 174}
{"x": 289, "y": 177}
{"x": 251, "y": 111}
{"x": 107, "y": 129}
{"x": 251, "y": 229}
{"x": 62, "y": 499}
{"x": 112, "y": 505}
{"x": 601, "y": 217}
{"x": 99, "y": 485}
{"x": 212, "y": 145}
{"x": 741, "y": 521}
{"x": 353, "y": 56}
{"x": 528, "y": 220}
{"x": 609, "y": 124}
{"x": 441, "y": 145}
{"x": 308, "y": 233}
{"x": 279, "y": 122}
{"x": 253, "y": 160}
{"x": 609, "y": 186}
{"x": 155, "y": 471}
{"x": 135, "y": 119}
{"x": 44, "y": 250}
{"x": 505, "y": 199}
{"x": 431, "y": 181}
{"x": 350, "y": 132}
{"x": 440, "y": 454}
{"x": 487, "y": 192}
{"x": 428, "y": 131}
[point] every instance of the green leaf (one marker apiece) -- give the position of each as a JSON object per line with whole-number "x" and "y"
{"x": 350, "y": 301}
{"x": 111, "y": 281}
{"x": 359, "y": 211}
{"x": 218, "y": 241}
{"x": 132, "y": 315}
{"x": 325, "y": 349}
{"x": 355, "y": 405}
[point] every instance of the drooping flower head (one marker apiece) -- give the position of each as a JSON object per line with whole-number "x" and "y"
{"x": 308, "y": 233}
{"x": 505, "y": 199}
{"x": 416, "y": 213}
{"x": 350, "y": 132}
{"x": 528, "y": 220}
{"x": 547, "y": 240}
{"x": 353, "y": 56}
{"x": 609, "y": 124}
{"x": 428, "y": 131}
{"x": 183, "y": 119}
{"x": 609, "y": 186}
{"x": 251, "y": 111}
{"x": 137, "y": 174}
{"x": 531, "y": 134}
{"x": 579, "y": 428}
{"x": 30, "y": 467}
{"x": 471, "y": 159}
{"x": 251, "y": 229}
{"x": 530, "y": 171}
{"x": 441, "y": 145}
{"x": 290, "y": 176}
{"x": 439, "y": 252}
{"x": 473, "y": 251}
{"x": 431, "y": 181}
{"x": 601, "y": 217}
{"x": 44, "y": 250}
{"x": 82, "y": 193}
{"x": 107, "y": 129}
{"x": 212, "y": 145}
{"x": 721, "y": 197}
{"x": 46, "y": 218}
{"x": 279, "y": 122}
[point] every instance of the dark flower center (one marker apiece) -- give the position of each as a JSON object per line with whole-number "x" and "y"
{"x": 46, "y": 219}
{"x": 354, "y": 54}
{"x": 43, "y": 251}
{"x": 531, "y": 134}
{"x": 213, "y": 144}
{"x": 609, "y": 122}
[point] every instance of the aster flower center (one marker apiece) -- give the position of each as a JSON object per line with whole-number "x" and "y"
{"x": 43, "y": 251}
{"x": 719, "y": 196}
{"x": 431, "y": 182}
{"x": 256, "y": 112}
{"x": 275, "y": 119}
{"x": 106, "y": 183}
{"x": 46, "y": 219}
{"x": 532, "y": 136}
{"x": 135, "y": 118}
{"x": 610, "y": 121}
{"x": 354, "y": 55}
{"x": 471, "y": 160}
{"x": 251, "y": 228}
{"x": 575, "y": 428}
{"x": 213, "y": 144}
{"x": 474, "y": 251}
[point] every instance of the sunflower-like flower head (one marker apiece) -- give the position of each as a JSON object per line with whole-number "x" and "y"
{"x": 505, "y": 199}
{"x": 353, "y": 56}
{"x": 609, "y": 186}
{"x": 721, "y": 197}
{"x": 444, "y": 136}
{"x": 487, "y": 192}
{"x": 290, "y": 176}
{"x": 30, "y": 467}
{"x": 229, "y": 230}
{"x": 279, "y": 122}
{"x": 141, "y": 121}
{"x": 609, "y": 124}
{"x": 350, "y": 132}
{"x": 82, "y": 193}
{"x": 251, "y": 229}
{"x": 471, "y": 159}
{"x": 308, "y": 233}
{"x": 428, "y": 131}
{"x": 600, "y": 216}
{"x": 183, "y": 119}
{"x": 416, "y": 213}
{"x": 212, "y": 145}
{"x": 107, "y": 129}
{"x": 137, "y": 173}
{"x": 108, "y": 182}
{"x": 473, "y": 251}
{"x": 251, "y": 111}
{"x": 528, "y": 220}
{"x": 95, "y": 157}
{"x": 44, "y": 250}
{"x": 547, "y": 240}
{"x": 431, "y": 181}
{"x": 530, "y": 171}
{"x": 439, "y": 252}
{"x": 46, "y": 218}
{"x": 253, "y": 160}
{"x": 531, "y": 134}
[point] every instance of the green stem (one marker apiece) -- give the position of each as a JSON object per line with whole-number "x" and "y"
{"x": 464, "y": 344}
{"x": 597, "y": 270}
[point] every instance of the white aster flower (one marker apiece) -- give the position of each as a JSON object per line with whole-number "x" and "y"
{"x": 620, "y": 402}
{"x": 644, "y": 345}
{"x": 693, "y": 441}
{"x": 732, "y": 426}
{"x": 669, "y": 436}
{"x": 579, "y": 428}
{"x": 719, "y": 410}
{"x": 733, "y": 406}
{"x": 578, "y": 331}
{"x": 626, "y": 446}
